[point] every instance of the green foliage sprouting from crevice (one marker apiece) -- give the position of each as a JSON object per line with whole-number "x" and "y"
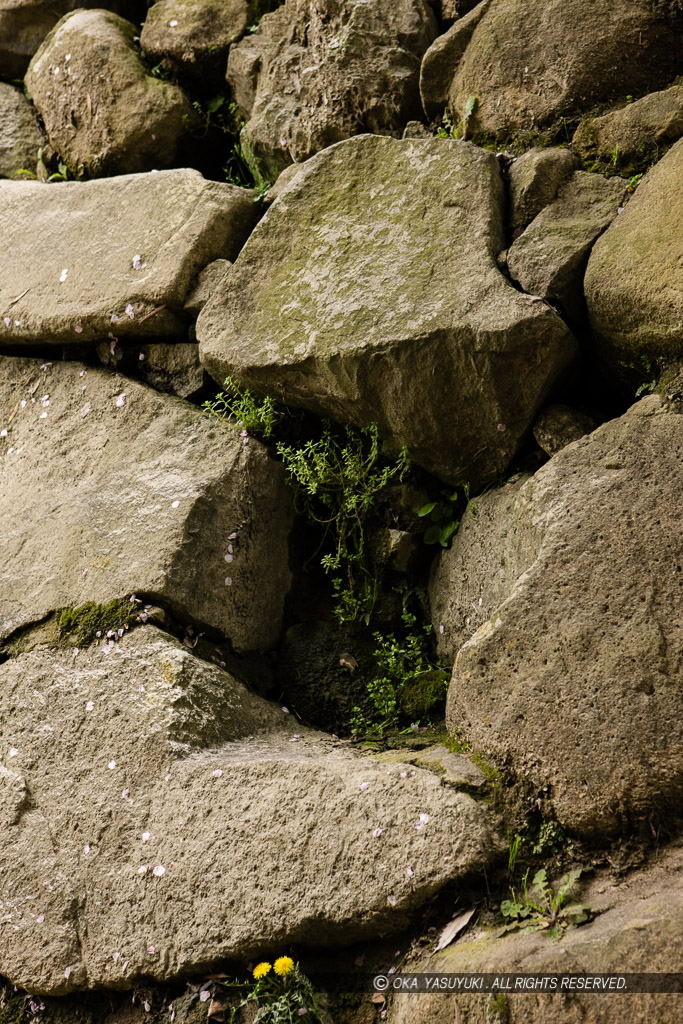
{"x": 542, "y": 906}
{"x": 403, "y": 684}
{"x": 336, "y": 480}
{"x": 239, "y": 406}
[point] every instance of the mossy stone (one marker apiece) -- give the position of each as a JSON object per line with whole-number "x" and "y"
{"x": 424, "y": 697}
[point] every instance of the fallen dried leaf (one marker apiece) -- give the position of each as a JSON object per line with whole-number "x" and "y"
{"x": 453, "y": 929}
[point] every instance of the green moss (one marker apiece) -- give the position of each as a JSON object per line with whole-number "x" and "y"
{"x": 79, "y": 627}
{"x": 423, "y": 697}
{"x": 458, "y": 745}
{"x": 497, "y": 1009}
{"x": 492, "y": 774}
{"x": 557, "y": 134}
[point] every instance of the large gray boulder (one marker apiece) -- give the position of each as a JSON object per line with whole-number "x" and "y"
{"x": 25, "y": 23}
{"x": 634, "y": 278}
{"x": 103, "y": 112}
{"x": 549, "y": 259}
{"x": 635, "y": 132}
{"x": 370, "y": 291}
{"x": 114, "y": 257}
{"x": 20, "y": 135}
{"x": 157, "y": 817}
{"x": 528, "y": 66}
{"x": 109, "y": 489}
{"x": 562, "y": 599}
{"x": 314, "y": 74}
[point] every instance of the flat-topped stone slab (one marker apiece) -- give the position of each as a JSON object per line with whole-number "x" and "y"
{"x": 115, "y": 256}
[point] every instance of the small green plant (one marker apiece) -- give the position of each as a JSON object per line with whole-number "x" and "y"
{"x": 448, "y": 130}
{"x": 551, "y": 838}
{"x": 257, "y": 9}
{"x": 247, "y": 172}
{"x": 541, "y": 907}
{"x": 455, "y": 744}
{"x": 336, "y": 480}
{"x": 545, "y": 838}
{"x": 210, "y": 115}
{"x": 647, "y": 370}
{"x": 160, "y": 71}
{"x": 513, "y": 852}
{"x": 614, "y": 159}
{"x": 240, "y": 407}
{"x": 282, "y": 994}
{"x": 399, "y": 663}
{"x": 634, "y": 181}
{"x": 63, "y": 173}
{"x": 443, "y": 519}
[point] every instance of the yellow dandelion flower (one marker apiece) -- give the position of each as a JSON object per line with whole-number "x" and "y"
{"x": 262, "y": 969}
{"x": 283, "y": 965}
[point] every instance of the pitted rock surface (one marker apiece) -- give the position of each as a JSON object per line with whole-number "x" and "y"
{"x": 20, "y": 134}
{"x": 549, "y": 259}
{"x": 313, "y": 74}
{"x": 25, "y": 23}
{"x": 528, "y": 66}
{"x": 634, "y": 278}
{"x": 569, "y": 589}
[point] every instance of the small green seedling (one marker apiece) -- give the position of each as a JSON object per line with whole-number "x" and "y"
{"x": 448, "y": 130}
{"x": 541, "y": 907}
{"x": 443, "y": 520}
